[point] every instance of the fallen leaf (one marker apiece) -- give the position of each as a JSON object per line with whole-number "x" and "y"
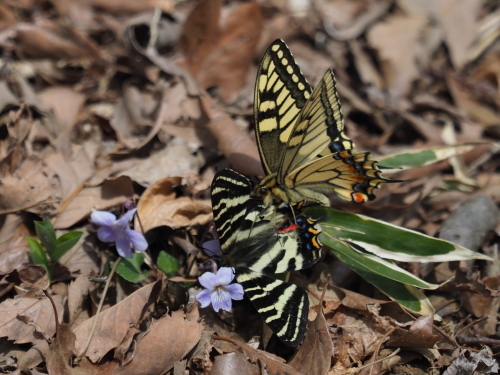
{"x": 23, "y": 319}
{"x": 314, "y": 356}
{"x": 234, "y": 363}
{"x": 83, "y": 257}
{"x": 14, "y": 251}
{"x": 167, "y": 341}
{"x": 111, "y": 193}
{"x": 419, "y": 335}
{"x": 396, "y": 40}
{"x": 114, "y": 323}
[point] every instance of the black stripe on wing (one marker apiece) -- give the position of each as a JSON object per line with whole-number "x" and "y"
{"x": 283, "y": 306}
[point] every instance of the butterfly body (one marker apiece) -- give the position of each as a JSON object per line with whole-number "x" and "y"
{"x": 260, "y": 244}
{"x": 300, "y": 135}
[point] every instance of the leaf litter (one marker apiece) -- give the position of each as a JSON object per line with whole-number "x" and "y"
{"x": 104, "y": 103}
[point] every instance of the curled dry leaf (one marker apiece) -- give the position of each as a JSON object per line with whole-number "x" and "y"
{"x": 114, "y": 323}
{"x": 167, "y": 341}
{"x": 23, "y": 319}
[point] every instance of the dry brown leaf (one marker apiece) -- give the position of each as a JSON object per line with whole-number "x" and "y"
{"x": 239, "y": 34}
{"x": 177, "y": 213}
{"x": 54, "y": 41}
{"x": 314, "y": 356}
{"x": 167, "y": 341}
{"x": 131, "y": 6}
{"x": 273, "y": 364}
{"x": 200, "y": 33}
{"x": 396, "y": 40}
{"x": 158, "y": 193}
{"x": 419, "y": 335}
{"x": 234, "y": 143}
{"x": 234, "y": 363}
{"x": 114, "y": 323}
{"x": 111, "y": 193}
{"x": 7, "y": 18}
{"x": 27, "y": 320}
{"x": 78, "y": 290}
{"x": 66, "y": 104}
{"x": 458, "y": 20}
{"x": 14, "y": 251}
{"x": 83, "y": 258}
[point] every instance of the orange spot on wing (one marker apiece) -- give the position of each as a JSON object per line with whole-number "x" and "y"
{"x": 358, "y": 197}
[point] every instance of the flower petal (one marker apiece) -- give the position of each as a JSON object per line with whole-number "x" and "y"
{"x": 225, "y": 275}
{"x": 123, "y": 247}
{"x": 235, "y": 291}
{"x": 124, "y": 220}
{"x": 138, "y": 241}
{"x": 204, "y": 298}
{"x": 221, "y": 300}
{"x": 103, "y": 218}
{"x": 106, "y": 234}
{"x": 208, "y": 280}
{"x": 212, "y": 248}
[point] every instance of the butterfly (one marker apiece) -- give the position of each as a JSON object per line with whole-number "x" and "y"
{"x": 300, "y": 136}
{"x": 258, "y": 249}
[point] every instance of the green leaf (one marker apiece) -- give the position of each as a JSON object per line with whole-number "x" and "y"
{"x": 385, "y": 276}
{"x": 357, "y": 260}
{"x": 130, "y": 268}
{"x": 389, "y": 241}
{"x": 65, "y": 243}
{"x": 38, "y": 256}
{"x": 420, "y": 158}
{"x": 167, "y": 263}
{"x": 46, "y": 234}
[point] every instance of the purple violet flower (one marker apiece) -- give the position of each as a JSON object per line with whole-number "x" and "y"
{"x": 119, "y": 232}
{"x": 219, "y": 290}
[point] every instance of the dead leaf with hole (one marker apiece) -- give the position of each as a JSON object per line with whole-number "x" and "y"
{"x": 114, "y": 323}
{"x": 167, "y": 341}
{"x": 28, "y": 320}
{"x": 111, "y": 193}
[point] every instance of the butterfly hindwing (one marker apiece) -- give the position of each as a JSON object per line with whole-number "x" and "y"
{"x": 283, "y": 306}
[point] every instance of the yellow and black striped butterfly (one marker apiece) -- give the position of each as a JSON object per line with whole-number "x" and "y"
{"x": 258, "y": 249}
{"x": 300, "y": 135}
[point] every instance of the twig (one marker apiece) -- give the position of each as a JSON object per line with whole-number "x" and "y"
{"x": 379, "y": 360}
{"x": 101, "y": 302}
{"x": 153, "y": 27}
{"x": 464, "y": 340}
{"x": 23, "y": 208}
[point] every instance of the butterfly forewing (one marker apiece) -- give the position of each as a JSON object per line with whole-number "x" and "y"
{"x": 280, "y": 93}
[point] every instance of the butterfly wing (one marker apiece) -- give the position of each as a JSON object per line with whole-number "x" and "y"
{"x": 320, "y": 125}
{"x": 352, "y": 175}
{"x": 283, "y": 306}
{"x": 281, "y": 91}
